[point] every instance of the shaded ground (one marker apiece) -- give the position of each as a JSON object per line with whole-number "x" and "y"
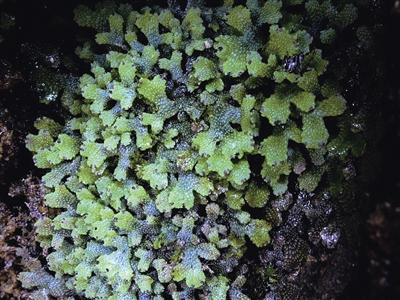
{"x": 378, "y": 269}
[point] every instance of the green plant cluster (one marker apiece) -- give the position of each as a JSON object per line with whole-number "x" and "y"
{"x": 155, "y": 175}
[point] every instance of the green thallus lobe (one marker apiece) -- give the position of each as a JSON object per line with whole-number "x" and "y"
{"x": 152, "y": 171}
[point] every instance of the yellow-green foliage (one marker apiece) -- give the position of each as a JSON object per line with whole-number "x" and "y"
{"x": 153, "y": 171}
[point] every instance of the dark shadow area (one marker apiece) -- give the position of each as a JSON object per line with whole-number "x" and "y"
{"x": 377, "y": 273}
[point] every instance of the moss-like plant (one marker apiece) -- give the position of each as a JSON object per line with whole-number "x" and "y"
{"x": 155, "y": 172}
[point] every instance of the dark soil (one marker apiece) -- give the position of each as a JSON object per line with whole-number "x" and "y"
{"x": 378, "y": 268}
